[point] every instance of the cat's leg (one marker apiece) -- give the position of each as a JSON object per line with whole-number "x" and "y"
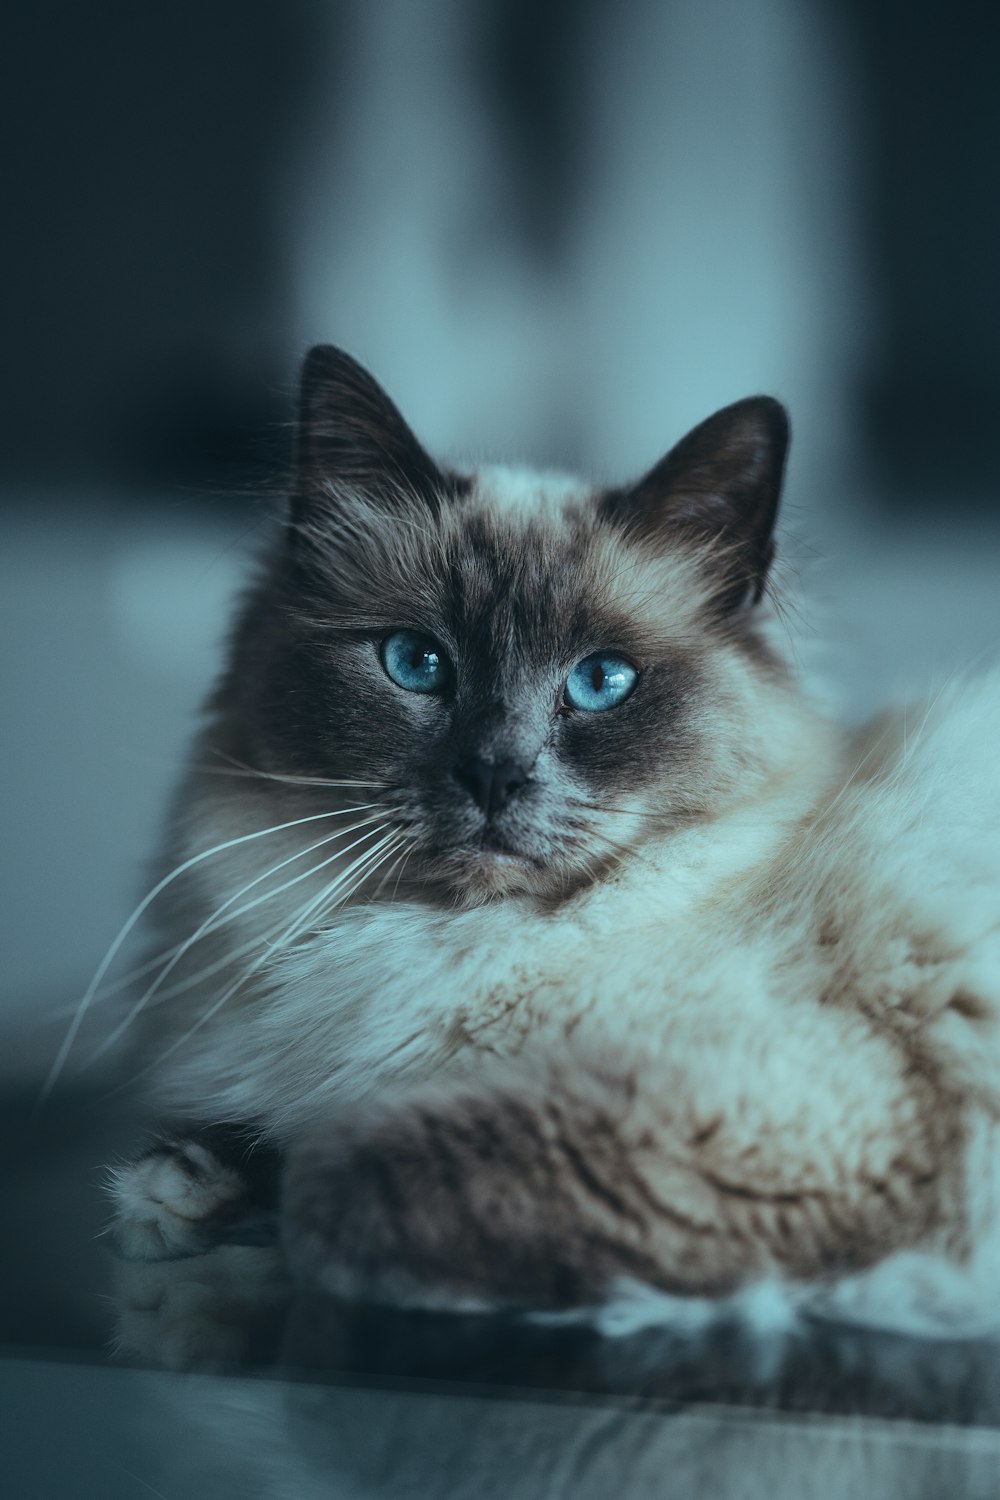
{"x": 484, "y": 1200}
{"x": 190, "y": 1191}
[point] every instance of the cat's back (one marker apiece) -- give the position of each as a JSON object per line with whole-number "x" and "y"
{"x": 919, "y": 812}
{"x": 887, "y": 902}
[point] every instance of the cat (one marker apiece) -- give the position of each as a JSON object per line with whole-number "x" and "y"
{"x": 524, "y": 918}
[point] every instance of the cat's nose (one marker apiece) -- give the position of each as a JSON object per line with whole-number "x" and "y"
{"x": 491, "y": 784}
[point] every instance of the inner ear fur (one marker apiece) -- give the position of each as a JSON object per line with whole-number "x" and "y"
{"x": 720, "y": 484}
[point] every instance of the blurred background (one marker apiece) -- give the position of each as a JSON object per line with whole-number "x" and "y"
{"x": 557, "y": 232}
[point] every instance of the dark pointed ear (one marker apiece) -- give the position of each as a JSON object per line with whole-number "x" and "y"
{"x": 720, "y": 484}
{"x": 350, "y": 433}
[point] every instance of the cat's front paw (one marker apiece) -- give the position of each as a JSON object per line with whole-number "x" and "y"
{"x": 175, "y": 1200}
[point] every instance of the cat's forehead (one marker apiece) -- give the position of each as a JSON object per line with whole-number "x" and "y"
{"x": 507, "y": 559}
{"x": 521, "y": 541}
{"x": 519, "y": 491}
{"x": 531, "y": 561}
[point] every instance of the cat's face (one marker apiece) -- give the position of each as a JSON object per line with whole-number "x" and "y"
{"x": 535, "y": 674}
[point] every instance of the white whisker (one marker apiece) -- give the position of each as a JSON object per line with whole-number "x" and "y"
{"x": 212, "y": 923}
{"x": 192, "y": 981}
{"x": 240, "y": 768}
{"x": 396, "y": 869}
{"x": 388, "y": 876}
{"x": 225, "y": 962}
{"x": 129, "y": 925}
{"x": 117, "y": 986}
{"x": 125, "y": 982}
{"x": 290, "y": 933}
{"x": 340, "y": 890}
{"x": 402, "y": 868}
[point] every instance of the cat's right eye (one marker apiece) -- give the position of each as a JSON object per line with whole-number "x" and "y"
{"x": 415, "y": 662}
{"x": 599, "y": 682}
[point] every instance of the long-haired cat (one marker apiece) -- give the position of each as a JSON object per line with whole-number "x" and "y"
{"x": 518, "y": 893}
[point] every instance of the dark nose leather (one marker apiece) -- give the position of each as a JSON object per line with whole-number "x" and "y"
{"x": 491, "y": 784}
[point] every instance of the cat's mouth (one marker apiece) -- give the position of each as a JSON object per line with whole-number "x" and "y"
{"x": 483, "y": 863}
{"x": 493, "y": 846}
{"x": 494, "y": 865}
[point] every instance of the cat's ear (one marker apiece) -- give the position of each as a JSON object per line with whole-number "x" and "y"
{"x": 351, "y": 436}
{"x": 720, "y": 486}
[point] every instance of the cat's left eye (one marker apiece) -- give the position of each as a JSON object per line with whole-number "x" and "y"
{"x": 415, "y": 662}
{"x": 600, "y": 681}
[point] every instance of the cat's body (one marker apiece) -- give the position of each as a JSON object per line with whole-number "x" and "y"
{"x": 688, "y": 991}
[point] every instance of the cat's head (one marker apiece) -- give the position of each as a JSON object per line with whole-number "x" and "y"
{"x": 536, "y": 673}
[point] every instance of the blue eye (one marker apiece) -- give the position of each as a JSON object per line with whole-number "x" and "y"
{"x": 414, "y": 662}
{"x": 600, "y": 681}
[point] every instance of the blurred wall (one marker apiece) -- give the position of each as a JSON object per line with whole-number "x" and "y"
{"x": 565, "y": 229}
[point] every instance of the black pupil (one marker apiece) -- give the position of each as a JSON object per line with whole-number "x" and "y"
{"x": 597, "y": 677}
{"x": 419, "y": 656}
